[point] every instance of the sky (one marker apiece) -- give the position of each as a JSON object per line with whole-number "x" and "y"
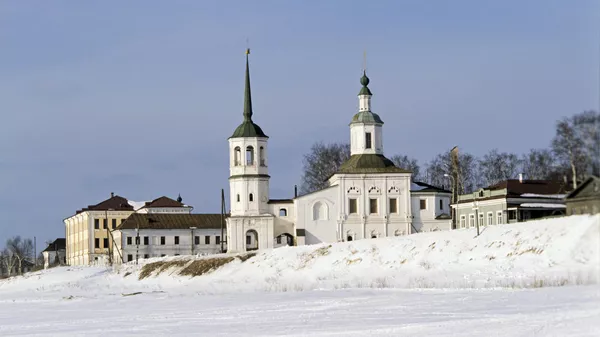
{"x": 139, "y": 97}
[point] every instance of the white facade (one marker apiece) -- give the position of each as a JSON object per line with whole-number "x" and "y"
{"x": 168, "y": 242}
{"x": 50, "y": 257}
{"x": 377, "y": 203}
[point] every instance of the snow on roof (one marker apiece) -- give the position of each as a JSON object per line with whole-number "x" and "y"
{"x": 534, "y": 195}
{"x": 136, "y": 204}
{"x": 538, "y": 205}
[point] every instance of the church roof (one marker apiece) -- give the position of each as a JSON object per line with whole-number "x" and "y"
{"x": 366, "y": 117}
{"x": 369, "y": 163}
{"x": 248, "y": 128}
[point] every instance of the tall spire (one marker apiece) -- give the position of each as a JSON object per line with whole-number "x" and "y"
{"x": 247, "y": 94}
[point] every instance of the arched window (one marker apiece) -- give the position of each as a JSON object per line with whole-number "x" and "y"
{"x": 261, "y": 155}
{"x": 282, "y": 212}
{"x": 251, "y": 197}
{"x": 237, "y": 156}
{"x": 249, "y": 155}
{"x": 320, "y": 211}
{"x": 238, "y": 198}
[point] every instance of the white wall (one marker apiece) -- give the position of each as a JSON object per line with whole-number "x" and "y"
{"x": 156, "y": 249}
{"x": 424, "y": 219}
{"x": 324, "y": 228}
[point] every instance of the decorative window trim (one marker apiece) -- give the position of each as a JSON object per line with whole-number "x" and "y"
{"x": 394, "y": 190}
{"x": 353, "y": 190}
{"x": 374, "y": 190}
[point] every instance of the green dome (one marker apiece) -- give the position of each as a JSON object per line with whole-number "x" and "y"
{"x": 248, "y": 129}
{"x": 366, "y": 117}
{"x": 364, "y": 80}
{"x": 369, "y": 163}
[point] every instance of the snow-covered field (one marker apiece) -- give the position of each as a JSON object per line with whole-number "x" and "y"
{"x": 432, "y": 284}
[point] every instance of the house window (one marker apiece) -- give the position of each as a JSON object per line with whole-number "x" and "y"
{"x": 471, "y": 220}
{"x": 129, "y": 257}
{"x": 105, "y": 241}
{"x": 512, "y": 215}
{"x": 114, "y": 223}
{"x": 146, "y": 240}
{"x": 353, "y": 206}
{"x": 394, "y": 205}
{"x": 96, "y": 223}
{"x": 96, "y": 243}
{"x": 137, "y": 240}
{"x": 162, "y": 255}
{"x": 490, "y": 218}
{"x": 423, "y": 203}
{"x": 218, "y": 239}
{"x": 196, "y": 240}
{"x": 498, "y": 217}
{"x": 237, "y": 156}
{"x": 282, "y": 212}
{"x": 251, "y": 197}
{"x": 104, "y": 223}
{"x": 373, "y": 209}
{"x": 162, "y": 240}
{"x": 129, "y": 240}
{"x": 146, "y": 256}
{"x": 177, "y": 240}
{"x": 463, "y": 221}
{"x": 481, "y": 220}
{"x": 249, "y": 155}
{"x": 207, "y": 240}
{"x": 368, "y": 140}
{"x": 441, "y": 205}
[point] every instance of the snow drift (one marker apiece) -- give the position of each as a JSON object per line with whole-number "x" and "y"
{"x": 552, "y": 252}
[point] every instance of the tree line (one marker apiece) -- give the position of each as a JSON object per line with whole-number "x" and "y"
{"x": 16, "y": 252}
{"x": 573, "y": 154}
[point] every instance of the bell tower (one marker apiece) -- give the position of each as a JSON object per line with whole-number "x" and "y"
{"x": 248, "y": 160}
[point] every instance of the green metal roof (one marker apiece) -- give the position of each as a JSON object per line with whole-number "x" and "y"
{"x": 366, "y": 117}
{"x": 248, "y": 128}
{"x": 370, "y": 163}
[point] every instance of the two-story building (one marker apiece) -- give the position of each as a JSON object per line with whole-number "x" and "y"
{"x": 510, "y": 201}
{"x": 90, "y": 231}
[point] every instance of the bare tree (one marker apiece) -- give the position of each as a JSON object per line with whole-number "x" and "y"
{"x": 408, "y": 164}
{"x": 21, "y": 250}
{"x": 442, "y": 164}
{"x": 587, "y": 127}
{"x": 538, "y": 164}
{"x": 498, "y": 166}
{"x": 569, "y": 148}
{"x": 320, "y": 163}
{"x": 8, "y": 260}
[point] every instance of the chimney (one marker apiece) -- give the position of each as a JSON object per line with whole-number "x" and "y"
{"x": 521, "y": 177}
{"x": 295, "y": 191}
{"x": 112, "y": 194}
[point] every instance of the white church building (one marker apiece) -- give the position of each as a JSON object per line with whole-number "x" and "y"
{"x": 369, "y": 197}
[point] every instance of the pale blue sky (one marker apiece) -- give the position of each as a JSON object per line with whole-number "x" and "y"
{"x": 139, "y": 97}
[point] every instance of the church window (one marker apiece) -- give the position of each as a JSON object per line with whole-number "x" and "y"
{"x": 261, "y": 154}
{"x": 441, "y": 205}
{"x": 393, "y": 205}
{"x": 368, "y": 140}
{"x": 349, "y": 238}
{"x": 249, "y": 155}
{"x": 251, "y": 197}
{"x": 353, "y": 206}
{"x": 238, "y": 198}
{"x": 423, "y": 204}
{"x": 282, "y": 212}
{"x": 237, "y": 156}
{"x": 373, "y": 209}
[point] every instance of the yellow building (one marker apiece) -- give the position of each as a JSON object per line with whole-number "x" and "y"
{"x": 88, "y": 231}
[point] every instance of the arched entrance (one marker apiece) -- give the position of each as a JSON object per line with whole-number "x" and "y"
{"x": 284, "y": 239}
{"x": 251, "y": 240}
